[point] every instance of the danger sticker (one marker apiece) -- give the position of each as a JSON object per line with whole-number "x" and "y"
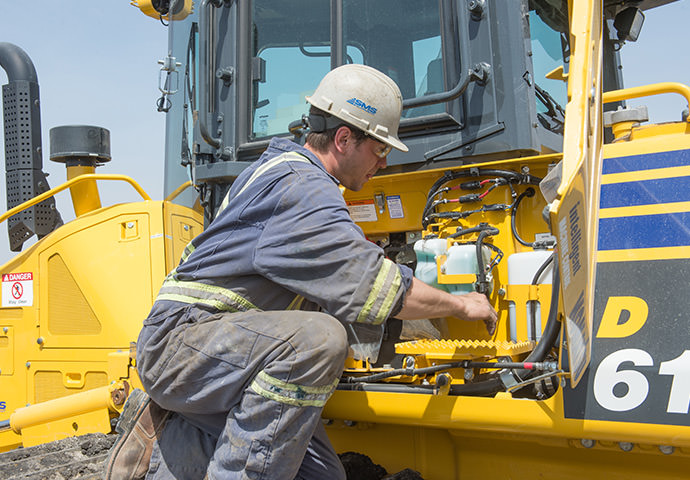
{"x": 363, "y": 211}
{"x": 18, "y": 289}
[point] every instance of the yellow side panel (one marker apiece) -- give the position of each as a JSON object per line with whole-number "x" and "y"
{"x": 450, "y": 454}
{"x": 181, "y": 226}
{"x": 97, "y": 285}
{"x": 70, "y": 312}
{"x": 92, "y": 283}
{"x": 50, "y": 384}
{"x": 6, "y": 350}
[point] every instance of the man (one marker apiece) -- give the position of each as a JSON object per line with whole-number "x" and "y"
{"x": 226, "y": 349}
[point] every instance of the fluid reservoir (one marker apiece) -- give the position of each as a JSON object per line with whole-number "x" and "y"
{"x": 522, "y": 267}
{"x": 426, "y": 251}
{"x": 521, "y": 270}
{"x": 462, "y": 259}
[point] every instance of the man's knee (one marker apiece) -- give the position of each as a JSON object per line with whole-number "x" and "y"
{"x": 326, "y": 335}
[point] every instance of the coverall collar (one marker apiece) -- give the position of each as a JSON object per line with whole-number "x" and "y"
{"x": 283, "y": 145}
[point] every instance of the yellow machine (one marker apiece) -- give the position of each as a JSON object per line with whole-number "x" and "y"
{"x": 527, "y": 180}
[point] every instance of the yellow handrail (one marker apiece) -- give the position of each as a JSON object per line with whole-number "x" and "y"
{"x": 69, "y": 183}
{"x": 178, "y": 190}
{"x": 110, "y": 397}
{"x": 648, "y": 90}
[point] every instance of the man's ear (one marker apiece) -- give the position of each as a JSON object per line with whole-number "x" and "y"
{"x": 343, "y": 136}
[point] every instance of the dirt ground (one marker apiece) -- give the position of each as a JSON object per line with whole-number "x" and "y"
{"x": 72, "y": 458}
{"x": 84, "y": 458}
{"x": 360, "y": 467}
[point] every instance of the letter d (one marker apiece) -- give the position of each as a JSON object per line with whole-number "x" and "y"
{"x": 635, "y": 306}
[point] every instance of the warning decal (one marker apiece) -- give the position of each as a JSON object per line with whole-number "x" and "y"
{"x": 18, "y": 289}
{"x": 362, "y": 211}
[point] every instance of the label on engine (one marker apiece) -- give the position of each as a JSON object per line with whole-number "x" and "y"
{"x": 362, "y": 211}
{"x": 18, "y": 289}
{"x": 395, "y": 207}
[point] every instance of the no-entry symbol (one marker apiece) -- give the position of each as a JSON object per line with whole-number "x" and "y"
{"x": 17, "y": 290}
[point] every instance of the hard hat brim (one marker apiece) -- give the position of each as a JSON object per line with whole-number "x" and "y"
{"x": 392, "y": 141}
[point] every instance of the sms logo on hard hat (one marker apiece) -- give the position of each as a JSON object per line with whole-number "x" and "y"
{"x": 361, "y": 105}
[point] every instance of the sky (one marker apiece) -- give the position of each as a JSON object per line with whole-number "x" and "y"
{"x": 97, "y": 65}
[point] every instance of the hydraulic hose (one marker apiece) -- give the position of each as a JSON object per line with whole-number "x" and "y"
{"x": 535, "y": 281}
{"x": 540, "y": 271}
{"x": 527, "y": 193}
{"x": 508, "y": 175}
{"x": 410, "y": 372}
{"x": 460, "y": 232}
{"x": 485, "y": 388}
{"x": 385, "y": 387}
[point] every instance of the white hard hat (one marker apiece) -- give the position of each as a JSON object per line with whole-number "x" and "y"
{"x": 363, "y": 97}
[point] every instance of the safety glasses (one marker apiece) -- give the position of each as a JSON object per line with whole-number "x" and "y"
{"x": 384, "y": 150}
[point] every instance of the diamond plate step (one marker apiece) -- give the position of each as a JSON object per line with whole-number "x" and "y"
{"x": 462, "y": 349}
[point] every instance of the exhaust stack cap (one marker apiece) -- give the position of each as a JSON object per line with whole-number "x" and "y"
{"x": 80, "y": 145}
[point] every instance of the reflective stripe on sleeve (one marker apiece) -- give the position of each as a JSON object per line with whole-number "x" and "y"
{"x": 187, "y": 252}
{"x": 291, "y": 393}
{"x": 195, "y": 292}
{"x": 296, "y": 303}
{"x": 380, "y": 301}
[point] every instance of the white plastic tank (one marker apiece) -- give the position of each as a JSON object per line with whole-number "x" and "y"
{"x": 524, "y": 265}
{"x": 521, "y": 270}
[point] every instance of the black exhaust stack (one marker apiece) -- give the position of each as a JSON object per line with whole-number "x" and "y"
{"x": 23, "y": 157}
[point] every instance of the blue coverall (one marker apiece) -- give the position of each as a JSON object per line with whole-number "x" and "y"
{"x": 225, "y": 346}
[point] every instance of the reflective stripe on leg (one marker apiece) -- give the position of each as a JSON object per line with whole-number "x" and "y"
{"x": 290, "y": 393}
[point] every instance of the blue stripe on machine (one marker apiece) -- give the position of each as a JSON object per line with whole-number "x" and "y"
{"x": 676, "y": 158}
{"x": 644, "y": 231}
{"x": 645, "y": 192}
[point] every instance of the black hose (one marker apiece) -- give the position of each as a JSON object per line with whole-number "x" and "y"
{"x": 484, "y": 388}
{"x": 410, "y": 372}
{"x": 544, "y": 266}
{"x": 535, "y": 281}
{"x": 386, "y": 387}
{"x": 403, "y": 371}
{"x": 527, "y": 193}
{"x": 464, "y": 231}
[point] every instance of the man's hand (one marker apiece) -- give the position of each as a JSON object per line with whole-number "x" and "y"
{"x": 477, "y": 307}
{"x": 424, "y": 301}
